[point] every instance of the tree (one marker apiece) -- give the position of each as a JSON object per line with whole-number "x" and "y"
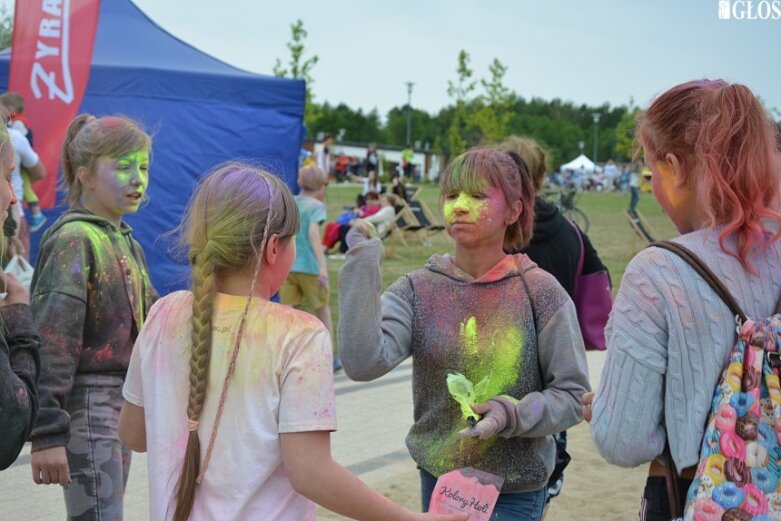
{"x": 459, "y": 91}
{"x": 6, "y": 27}
{"x": 298, "y": 67}
{"x": 626, "y": 144}
{"x": 495, "y": 110}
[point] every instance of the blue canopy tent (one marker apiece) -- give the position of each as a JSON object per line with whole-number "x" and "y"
{"x": 200, "y": 111}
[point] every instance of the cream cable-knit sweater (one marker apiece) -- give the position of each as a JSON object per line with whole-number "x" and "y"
{"x": 668, "y": 339}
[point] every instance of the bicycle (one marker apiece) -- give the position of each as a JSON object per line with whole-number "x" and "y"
{"x": 565, "y": 200}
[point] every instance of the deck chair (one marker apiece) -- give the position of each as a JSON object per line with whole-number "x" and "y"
{"x": 412, "y": 192}
{"x": 430, "y": 224}
{"x": 404, "y": 222}
{"x": 641, "y": 227}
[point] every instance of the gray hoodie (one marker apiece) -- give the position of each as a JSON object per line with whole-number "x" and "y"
{"x": 531, "y": 351}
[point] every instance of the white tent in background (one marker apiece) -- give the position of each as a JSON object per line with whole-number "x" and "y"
{"x": 581, "y": 163}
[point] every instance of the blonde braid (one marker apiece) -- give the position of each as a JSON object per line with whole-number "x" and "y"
{"x": 204, "y": 289}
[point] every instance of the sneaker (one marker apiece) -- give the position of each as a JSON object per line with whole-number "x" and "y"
{"x": 36, "y": 222}
{"x": 337, "y": 364}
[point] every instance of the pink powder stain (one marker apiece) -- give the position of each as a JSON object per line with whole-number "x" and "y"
{"x": 104, "y": 353}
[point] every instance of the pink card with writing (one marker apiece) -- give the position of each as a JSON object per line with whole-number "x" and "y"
{"x": 466, "y": 490}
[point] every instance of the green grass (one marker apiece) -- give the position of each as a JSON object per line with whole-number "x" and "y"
{"x": 609, "y": 231}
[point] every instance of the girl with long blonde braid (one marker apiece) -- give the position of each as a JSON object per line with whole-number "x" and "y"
{"x": 258, "y": 392}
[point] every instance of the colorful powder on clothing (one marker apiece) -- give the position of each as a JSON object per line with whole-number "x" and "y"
{"x": 492, "y": 351}
{"x": 496, "y": 353}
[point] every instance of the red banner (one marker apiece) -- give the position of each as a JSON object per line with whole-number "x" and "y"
{"x": 51, "y": 54}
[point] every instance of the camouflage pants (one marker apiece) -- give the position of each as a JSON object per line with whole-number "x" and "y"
{"x": 99, "y": 463}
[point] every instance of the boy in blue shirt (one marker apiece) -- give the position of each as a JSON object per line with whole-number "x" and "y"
{"x": 307, "y": 285}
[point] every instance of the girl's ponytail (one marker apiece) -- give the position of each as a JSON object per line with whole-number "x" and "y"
{"x": 71, "y": 159}
{"x": 736, "y": 141}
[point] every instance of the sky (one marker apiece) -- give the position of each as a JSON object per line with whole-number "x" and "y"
{"x": 593, "y": 52}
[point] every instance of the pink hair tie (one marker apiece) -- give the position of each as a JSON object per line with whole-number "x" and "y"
{"x": 192, "y": 425}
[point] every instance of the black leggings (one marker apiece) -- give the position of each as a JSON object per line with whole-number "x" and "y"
{"x": 655, "y": 505}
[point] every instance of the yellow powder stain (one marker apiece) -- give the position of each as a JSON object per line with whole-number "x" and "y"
{"x": 496, "y": 354}
{"x": 475, "y": 208}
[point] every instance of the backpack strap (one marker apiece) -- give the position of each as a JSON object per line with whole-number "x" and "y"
{"x": 705, "y": 272}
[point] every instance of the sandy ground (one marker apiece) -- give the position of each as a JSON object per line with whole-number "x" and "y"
{"x": 593, "y": 490}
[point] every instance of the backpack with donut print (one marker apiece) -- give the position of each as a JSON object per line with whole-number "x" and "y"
{"x": 739, "y": 472}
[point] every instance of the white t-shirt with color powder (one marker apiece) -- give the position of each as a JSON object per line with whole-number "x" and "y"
{"x": 283, "y": 382}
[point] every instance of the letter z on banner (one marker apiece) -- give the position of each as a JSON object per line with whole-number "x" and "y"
{"x": 51, "y": 55}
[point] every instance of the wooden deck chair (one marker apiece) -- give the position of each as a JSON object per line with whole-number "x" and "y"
{"x": 436, "y": 225}
{"x": 412, "y": 192}
{"x": 430, "y": 224}
{"x": 642, "y": 229}
{"x": 404, "y": 221}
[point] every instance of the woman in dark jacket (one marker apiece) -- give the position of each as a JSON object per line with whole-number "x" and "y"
{"x": 555, "y": 246}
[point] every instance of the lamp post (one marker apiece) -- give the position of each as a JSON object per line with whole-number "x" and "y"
{"x": 581, "y": 144}
{"x": 596, "y": 116}
{"x": 409, "y": 112}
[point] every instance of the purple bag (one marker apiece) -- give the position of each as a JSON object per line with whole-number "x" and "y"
{"x": 593, "y": 300}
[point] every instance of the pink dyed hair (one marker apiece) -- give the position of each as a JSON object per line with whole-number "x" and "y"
{"x": 725, "y": 141}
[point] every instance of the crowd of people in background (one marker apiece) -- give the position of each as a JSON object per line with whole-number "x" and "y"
{"x": 232, "y": 394}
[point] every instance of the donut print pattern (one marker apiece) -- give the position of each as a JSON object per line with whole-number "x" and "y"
{"x": 739, "y": 474}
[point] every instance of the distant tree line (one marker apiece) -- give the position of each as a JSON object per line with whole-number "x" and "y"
{"x": 486, "y": 116}
{"x": 480, "y": 112}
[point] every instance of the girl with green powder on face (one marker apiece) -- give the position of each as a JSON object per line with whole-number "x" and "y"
{"x": 497, "y": 319}
{"x": 90, "y": 295}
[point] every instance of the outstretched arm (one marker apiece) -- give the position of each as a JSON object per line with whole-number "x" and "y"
{"x": 375, "y": 328}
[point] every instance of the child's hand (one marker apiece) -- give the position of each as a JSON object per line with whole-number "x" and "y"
{"x": 494, "y": 420}
{"x": 50, "y": 467}
{"x": 365, "y": 228}
{"x": 587, "y": 400}
{"x": 15, "y": 292}
{"x": 322, "y": 279}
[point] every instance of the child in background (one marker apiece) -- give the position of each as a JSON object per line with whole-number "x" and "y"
{"x": 90, "y": 295}
{"x": 496, "y": 318}
{"x": 259, "y": 370}
{"x": 307, "y": 285}
{"x": 14, "y": 104}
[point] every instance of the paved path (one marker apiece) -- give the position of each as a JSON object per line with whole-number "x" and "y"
{"x": 373, "y": 420}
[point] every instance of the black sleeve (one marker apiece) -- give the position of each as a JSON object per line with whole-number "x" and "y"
{"x": 19, "y": 371}
{"x": 591, "y": 261}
